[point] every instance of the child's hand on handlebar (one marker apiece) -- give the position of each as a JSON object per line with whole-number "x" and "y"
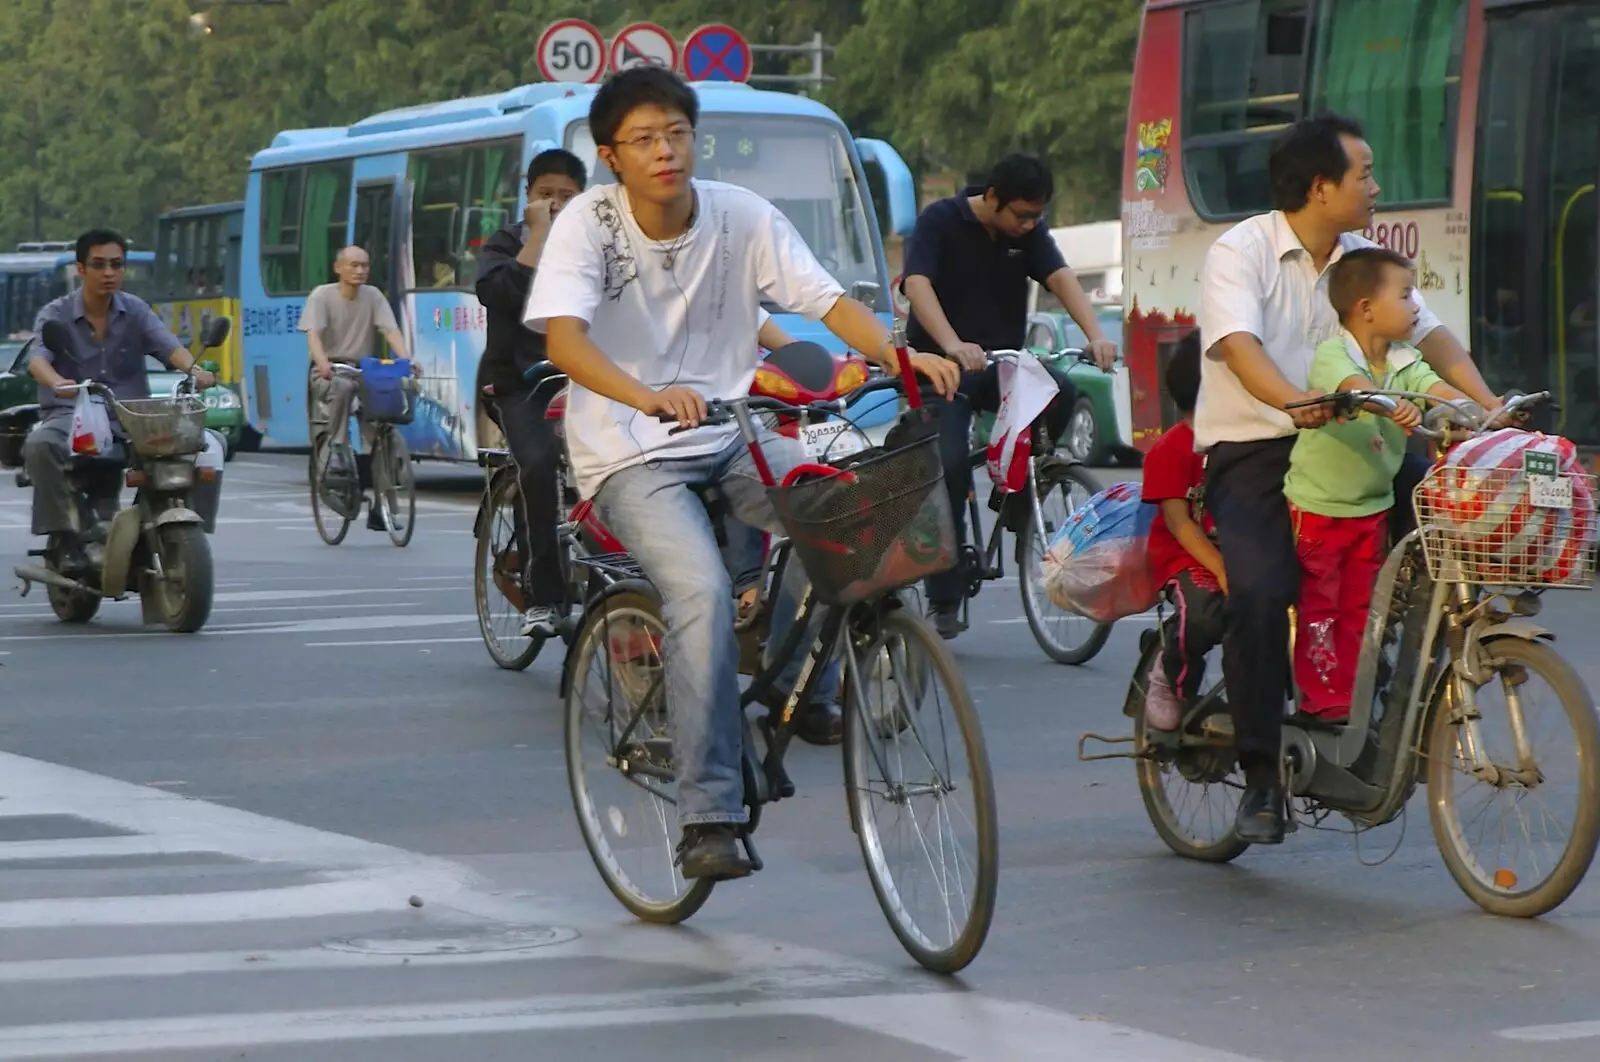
{"x": 941, "y": 372}
{"x": 682, "y": 403}
{"x": 1407, "y": 415}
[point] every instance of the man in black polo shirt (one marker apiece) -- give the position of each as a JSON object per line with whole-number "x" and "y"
{"x": 505, "y": 272}
{"x": 966, "y": 275}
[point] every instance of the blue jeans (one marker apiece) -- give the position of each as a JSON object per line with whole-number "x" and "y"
{"x": 745, "y": 561}
{"x": 654, "y": 514}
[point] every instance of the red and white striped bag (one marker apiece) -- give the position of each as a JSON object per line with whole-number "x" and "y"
{"x": 1479, "y": 498}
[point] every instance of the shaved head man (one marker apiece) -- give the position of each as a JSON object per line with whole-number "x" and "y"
{"x": 343, "y": 322}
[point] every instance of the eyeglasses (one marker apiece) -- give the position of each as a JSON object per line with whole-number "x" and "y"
{"x": 102, "y": 265}
{"x": 677, "y": 139}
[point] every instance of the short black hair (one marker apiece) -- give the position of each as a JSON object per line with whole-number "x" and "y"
{"x": 1183, "y": 372}
{"x": 631, "y": 89}
{"x": 559, "y": 162}
{"x": 1308, "y": 149}
{"x": 99, "y": 238}
{"x": 1359, "y": 274}
{"x": 1021, "y": 177}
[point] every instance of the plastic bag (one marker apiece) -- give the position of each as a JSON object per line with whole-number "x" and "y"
{"x": 91, "y": 425}
{"x": 1480, "y": 497}
{"x": 1026, "y": 388}
{"x": 1097, "y": 564}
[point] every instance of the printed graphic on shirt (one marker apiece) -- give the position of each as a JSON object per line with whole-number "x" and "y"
{"x": 620, "y": 267}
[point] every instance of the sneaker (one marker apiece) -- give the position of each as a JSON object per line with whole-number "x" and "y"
{"x": 712, "y": 851}
{"x": 539, "y": 622}
{"x": 947, "y": 619}
{"x": 1162, "y": 710}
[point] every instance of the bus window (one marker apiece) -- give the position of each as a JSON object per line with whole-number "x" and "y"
{"x": 461, "y": 197}
{"x": 1397, "y": 67}
{"x": 305, "y": 221}
{"x": 1244, "y": 63}
{"x": 1572, "y": 224}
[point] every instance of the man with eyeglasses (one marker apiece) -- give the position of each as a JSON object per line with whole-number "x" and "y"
{"x": 109, "y": 334}
{"x": 967, "y": 269}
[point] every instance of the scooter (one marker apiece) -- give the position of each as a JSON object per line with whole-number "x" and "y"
{"x": 157, "y": 547}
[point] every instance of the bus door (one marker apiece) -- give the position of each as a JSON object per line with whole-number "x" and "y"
{"x": 1536, "y": 225}
{"x": 379, "y": 202}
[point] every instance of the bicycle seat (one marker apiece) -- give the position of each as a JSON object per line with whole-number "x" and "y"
{"x": 492, "y": 458}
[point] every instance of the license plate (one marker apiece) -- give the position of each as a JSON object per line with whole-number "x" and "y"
{"x": 831, "y": 440}
{"x": 1547, "y": 493}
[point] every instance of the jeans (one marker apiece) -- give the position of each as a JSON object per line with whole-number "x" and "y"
{"x": 745, "y": 557}
{"x": 659, "y": 520}
{"x": 979, "y": 393}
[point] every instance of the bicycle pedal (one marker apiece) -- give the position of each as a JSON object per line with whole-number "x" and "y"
{"x": 750, "y": 850}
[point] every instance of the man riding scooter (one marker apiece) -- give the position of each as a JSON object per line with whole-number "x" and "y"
{"x": 110, "y": 332}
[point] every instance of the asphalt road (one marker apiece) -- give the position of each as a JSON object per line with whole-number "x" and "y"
{"x": 208, "y": 845}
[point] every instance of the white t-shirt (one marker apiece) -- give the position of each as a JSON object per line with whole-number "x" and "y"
{"x": 1258, "y": 278}
{"x": 683, "y": 311}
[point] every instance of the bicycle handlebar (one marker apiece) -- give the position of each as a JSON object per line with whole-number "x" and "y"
{"x": 1460, "y": 413}
{"x": 722, "y": 410}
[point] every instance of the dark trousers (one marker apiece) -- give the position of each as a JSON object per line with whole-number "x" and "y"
{"x": 980, "y": 392}
{"x": 1403, "y": 517}
{"x": 537, "y": 453}
{"x": 1196, "y": 625}
{"x": 1244, "y": 495}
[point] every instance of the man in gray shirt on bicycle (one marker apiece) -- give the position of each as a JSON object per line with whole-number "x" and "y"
{"x": 342, "y": 322}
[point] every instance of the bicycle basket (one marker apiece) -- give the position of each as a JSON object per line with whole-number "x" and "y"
{"x": 1495, "y": 527}
{"x": 386, "y": 399}
{"x": 164, "y": 427}
{"x": 888, "y": 528}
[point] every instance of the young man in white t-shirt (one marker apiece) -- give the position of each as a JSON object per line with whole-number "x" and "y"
{"x": 649, "y": 291}
{"x": 1263, "y": 309}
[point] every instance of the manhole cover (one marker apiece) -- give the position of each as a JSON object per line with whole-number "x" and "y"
{"x": 466, "y": 940}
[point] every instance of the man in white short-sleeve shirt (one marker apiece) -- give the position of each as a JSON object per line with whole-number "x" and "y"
{"x": 650, "y": 291}
{"x": 1263, "y": 309}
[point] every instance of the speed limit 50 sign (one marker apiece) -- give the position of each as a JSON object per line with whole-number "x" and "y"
{"x": 572, "y": 50}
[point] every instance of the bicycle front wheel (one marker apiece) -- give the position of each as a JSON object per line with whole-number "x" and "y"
{"x": 920, "y": 793}
{"x": 620, "y": 762}
{"x": 1503, "y": 781}
{"x": 497, "y": 578}
{"x": 1065, "y": 637}
{"x": 327, "y": 499}
{"x": 397, "y": 489}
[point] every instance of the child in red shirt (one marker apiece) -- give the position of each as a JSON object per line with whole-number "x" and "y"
{"x": 1181, "y": 555}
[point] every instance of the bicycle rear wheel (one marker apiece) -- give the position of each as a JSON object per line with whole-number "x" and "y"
{"x": 396, "y": 490}
{"x": 932, "y": 755}
{"x": 1065, "y": 637}
{"x": 620, "y": 763}
{"x": 331, "y": 525}
{"x": 497, "y": 578}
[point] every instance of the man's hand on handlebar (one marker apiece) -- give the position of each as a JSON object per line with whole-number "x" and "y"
{"x": 683, "y": 404}
{"x": 941, "y": 372}
{"x": 1104, "y": 353}
{"x": 1314, "y": 415}
{"x": 66, "y": 388}
{"x": 969, "y": 356}
{"x": 203, "y": 378}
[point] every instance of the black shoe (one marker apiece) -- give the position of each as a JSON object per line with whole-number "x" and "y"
{"x": 821, "y": 724}
{"x": 712, "y": 851}
{"x": 375, "y": 519}
{"x": 1260, "y": 819}
{"x": 71, "y": 560}
{"x": 946, "y": 619}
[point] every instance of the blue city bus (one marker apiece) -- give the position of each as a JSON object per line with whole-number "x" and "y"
{"x": 420, "y": 188}
{"x": 37, "y": 273}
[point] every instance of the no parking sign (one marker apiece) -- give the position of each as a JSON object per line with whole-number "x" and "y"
{"x": 716, "y": 53}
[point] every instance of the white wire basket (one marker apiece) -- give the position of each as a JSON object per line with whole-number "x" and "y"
{"x": 164, "y": 427}
{"x": 1501, "y": 527}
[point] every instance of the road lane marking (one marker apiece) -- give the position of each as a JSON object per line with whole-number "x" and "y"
{"x": 394, "y": 641}
{"x": 1545, "y": 1034}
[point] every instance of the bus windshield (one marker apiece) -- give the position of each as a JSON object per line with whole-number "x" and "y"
{"x": 801, "y": 165}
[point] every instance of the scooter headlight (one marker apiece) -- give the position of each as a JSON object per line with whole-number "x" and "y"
{"x": 172, "y": 475}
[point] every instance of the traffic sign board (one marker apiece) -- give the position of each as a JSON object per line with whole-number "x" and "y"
{"x": 572, "y": 50}
{"x": 716, "y": 53}
{"x": 643, "y": 44}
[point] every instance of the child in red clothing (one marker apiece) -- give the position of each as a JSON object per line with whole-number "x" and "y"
{"x": 1181, "y": 555}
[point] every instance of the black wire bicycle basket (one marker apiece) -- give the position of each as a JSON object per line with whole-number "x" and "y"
{"x": 886, "y": 525}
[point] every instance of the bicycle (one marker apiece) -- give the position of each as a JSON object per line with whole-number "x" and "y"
{"x": 888, "y": 512}
{"x": 1057, "y": 485}
{"x": 339, "y": 493}
{"x": 1452, "y": 611}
